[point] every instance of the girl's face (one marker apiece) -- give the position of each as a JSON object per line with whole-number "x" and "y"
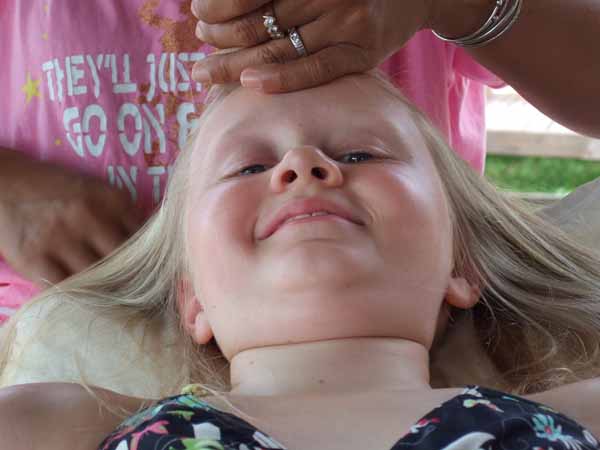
{"x": 348, "y": 142}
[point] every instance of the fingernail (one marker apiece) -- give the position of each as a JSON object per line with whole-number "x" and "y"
{"x": 195, "y": 8}
{"x": 252, "y": 79}
{"x": 201, "y": 74}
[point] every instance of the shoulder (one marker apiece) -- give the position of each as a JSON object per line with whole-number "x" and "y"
{"x": 16, "y": 411}
{"x": 57, "y": 415}
{"x": 579, "y": 401}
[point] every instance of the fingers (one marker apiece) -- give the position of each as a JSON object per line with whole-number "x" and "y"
{"x": 106, "y": 229}
{"x": 95, "y": 230}
{"x": 241, "y": 32}
{"x": 44, "y": 271}
{"x": 77, "y": 249}
{"x": 226, "y": 68}
{"x": 214, "y": 11}
{"x": 122, "y": 212}
{"x": 74, "y": 255}
{"x": 249, "y": 30}
{"x": 277, "y": 66}
{"x": 325, "y": 66}
{"x": 132, "y": 221}
{"x": 105, "y": 236}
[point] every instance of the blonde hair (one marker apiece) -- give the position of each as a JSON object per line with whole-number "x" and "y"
{"x": 538, "y": 318}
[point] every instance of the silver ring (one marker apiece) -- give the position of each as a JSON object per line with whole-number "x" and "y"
{"x": 297, "y": 41}
{"x": 271, "y": 25}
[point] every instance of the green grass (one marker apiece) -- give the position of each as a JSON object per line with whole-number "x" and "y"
{"x": 536, "y": 174}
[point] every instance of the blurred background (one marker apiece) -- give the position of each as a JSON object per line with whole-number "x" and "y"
{"x": 531, "y": 155}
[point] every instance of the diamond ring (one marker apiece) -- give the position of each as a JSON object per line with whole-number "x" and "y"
{"x": 297, "y": 41}
{"x": 272, "y": 27}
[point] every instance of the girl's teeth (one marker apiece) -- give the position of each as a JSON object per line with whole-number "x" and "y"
{"x": 302, "y": 216}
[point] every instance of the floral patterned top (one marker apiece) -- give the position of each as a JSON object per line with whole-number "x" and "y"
{"x": 478, "y": 418}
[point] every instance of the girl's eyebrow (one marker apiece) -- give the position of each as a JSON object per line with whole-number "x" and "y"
{"x": 228, "y": 144}
{"x": 234, "y": 127}
{"x": 222, "y": 149}
{"x": 244, "y": 132}
{"x": 224, "y": 135}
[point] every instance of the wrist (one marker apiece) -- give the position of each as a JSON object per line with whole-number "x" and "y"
{"x": 453, "y": 19}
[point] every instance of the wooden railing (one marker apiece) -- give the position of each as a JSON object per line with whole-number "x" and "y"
{"x": 515, "y": 127}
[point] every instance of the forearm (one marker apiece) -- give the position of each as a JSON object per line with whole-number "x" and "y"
{"x": 550, "y": 55}
{"x": 58, "y": 416}
{"x": 579, "y": 401}
{"x": 9, "y": 159}
{"x": 8, "y": 155}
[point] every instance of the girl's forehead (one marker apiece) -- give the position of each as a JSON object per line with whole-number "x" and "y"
{"x": 336, "y": 107}
{"x": 357, "y": 92}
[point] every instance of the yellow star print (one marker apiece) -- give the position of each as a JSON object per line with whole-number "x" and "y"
{"x": 31, "y": 88}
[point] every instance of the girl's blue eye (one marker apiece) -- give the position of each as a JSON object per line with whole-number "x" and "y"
{"x": 347, "y": 154}
{"x": 359, "y": 153}
{"x": 247, "y": 168}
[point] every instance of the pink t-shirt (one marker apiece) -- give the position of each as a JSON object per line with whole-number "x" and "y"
{"x": 105, "y": 87}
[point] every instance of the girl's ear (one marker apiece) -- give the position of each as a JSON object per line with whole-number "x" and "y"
{"x": 192, "y": 314}
{"x": 461, "y": 293}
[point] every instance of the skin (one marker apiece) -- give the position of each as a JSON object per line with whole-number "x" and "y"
{"x": 340, "y": 36}
{"x": 274, "y": 353}
{"x": 322, "y": 291}
{"x": 344, "y": 37}
{"x": 55, "y": 222}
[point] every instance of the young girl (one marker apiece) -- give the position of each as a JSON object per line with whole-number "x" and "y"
{"x": 320, "y": 332}
{"x": 98, "y": 102}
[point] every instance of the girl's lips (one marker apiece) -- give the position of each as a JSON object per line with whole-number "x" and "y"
{"x": 310, "y": 219}
{"x": 307, "y": 206}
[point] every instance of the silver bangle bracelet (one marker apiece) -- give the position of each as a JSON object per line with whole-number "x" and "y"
{"x": 499, "y": 9}
{"x": 501, "y": 27}
{"x": 495, "y": 26}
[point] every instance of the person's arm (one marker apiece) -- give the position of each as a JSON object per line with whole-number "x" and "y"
{"x": 549, "y": 56}
{"x": 56, "y": 416}
{"x": 56, "y": 221}
{"x": 8, "y": 158}
{"x": 580, "y": 401}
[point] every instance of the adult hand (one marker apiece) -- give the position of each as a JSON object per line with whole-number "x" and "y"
{"x": 340, "y": 36}
{"x": 55, "y": 222}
